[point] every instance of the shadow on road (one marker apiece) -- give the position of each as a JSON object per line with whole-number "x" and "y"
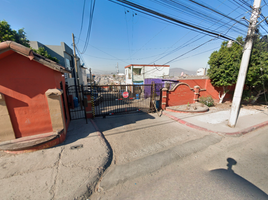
{"x": 111, "y": 122}
{"x": 78, "y": 129}
{"x": 237, "y": 184}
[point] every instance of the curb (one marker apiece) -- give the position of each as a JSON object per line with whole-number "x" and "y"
{"x": 96, "y": 186}
{"x": 60, "y": 138}
{"x": 237, "y": 133}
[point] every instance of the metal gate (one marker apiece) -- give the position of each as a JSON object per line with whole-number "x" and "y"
{"x": 76, "y": 101}
{"x": 123, "y": 99}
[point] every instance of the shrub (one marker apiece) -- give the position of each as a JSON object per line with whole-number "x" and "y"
{"x": 208, "y": 101}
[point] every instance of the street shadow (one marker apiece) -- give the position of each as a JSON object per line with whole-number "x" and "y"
{"x": 236, "y": 183}
{"x": 115, "y": 121}
{"x": 77, "y": 130}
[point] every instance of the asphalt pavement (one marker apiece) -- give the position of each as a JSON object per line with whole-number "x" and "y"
{"x": 128, "y": 145}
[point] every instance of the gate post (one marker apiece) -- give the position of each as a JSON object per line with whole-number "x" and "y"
{"x": 196, "y": 93}
{"x": 164, "y": 98}
{"x": 89, "y": 113}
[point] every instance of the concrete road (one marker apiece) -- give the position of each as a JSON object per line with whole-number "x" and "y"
{"x": 234, "y": 168}
{"x": 135, "y": 136}
{"x": 61, "y": 172}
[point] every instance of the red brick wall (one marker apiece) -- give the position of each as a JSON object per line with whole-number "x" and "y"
{"x": 183, "y": 93}
{"x": 24, "y": 83}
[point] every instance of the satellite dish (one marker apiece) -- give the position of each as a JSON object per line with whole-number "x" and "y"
{"x": 181, "y": 73}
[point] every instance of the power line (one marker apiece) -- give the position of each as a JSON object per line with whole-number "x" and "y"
{"x": 196, "y": 47}
{"x": 167, "y": 18}
{"x": 82, "y": 21}
{"x": 195, "y": 11}
{"x": 187, "y": 44}
{"x": 92, "y": 8}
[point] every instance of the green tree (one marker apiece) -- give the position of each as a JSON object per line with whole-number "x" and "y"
{"x": 41, "y": 51}
{"x": 225, "y": 63}
{"x": 6, "y": 33}
{"x": 257, "y": 77}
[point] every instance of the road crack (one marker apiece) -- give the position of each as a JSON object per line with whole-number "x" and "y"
{"x": 57, "y": 164}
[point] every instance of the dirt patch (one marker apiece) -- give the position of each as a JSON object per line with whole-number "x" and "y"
{"x": 226, "y": 106}
{"x": 191, "y": 108}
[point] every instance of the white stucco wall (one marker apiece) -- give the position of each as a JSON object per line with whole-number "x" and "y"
{"x": 128, "y": 78}
{"x": 143, "y": 72}
{"x": 155, "y": 72}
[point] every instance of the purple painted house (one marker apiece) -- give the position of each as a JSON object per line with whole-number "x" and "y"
{"x": 160, "y": 83}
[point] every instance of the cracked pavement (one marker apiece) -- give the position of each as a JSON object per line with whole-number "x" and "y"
{"x": 56, "y": 173}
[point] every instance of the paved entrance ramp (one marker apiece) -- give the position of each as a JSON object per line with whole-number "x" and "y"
{"x": 216, "y": 121}
{"x": 135, "y": 136}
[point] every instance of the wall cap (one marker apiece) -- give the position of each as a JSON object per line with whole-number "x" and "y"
{"x": 181, "y": 83}
{"x": 54, "y": 92}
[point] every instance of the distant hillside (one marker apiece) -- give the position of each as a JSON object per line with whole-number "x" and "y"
{"x": 178, "y": 71}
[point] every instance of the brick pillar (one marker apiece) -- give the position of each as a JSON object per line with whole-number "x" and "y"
{"x": 89, "y": 106}
{"x": 164, "y": 98}
{"x": 196, "y": 93}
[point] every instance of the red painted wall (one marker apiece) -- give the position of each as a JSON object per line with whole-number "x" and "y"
{"x": 183, "y": 94}
{"x": 24, "y": 83}
{"x": 210, "y": 89}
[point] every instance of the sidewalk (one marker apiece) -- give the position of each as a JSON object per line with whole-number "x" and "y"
{"x": 66, "y": 171}
{"x": 216, "y": 121}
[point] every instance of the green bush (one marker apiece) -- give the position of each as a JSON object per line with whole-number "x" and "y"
{"x": 208, "y": 101}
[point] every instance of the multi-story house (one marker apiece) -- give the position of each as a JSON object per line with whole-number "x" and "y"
{"x": 136, "y": 74}
{"x": 66, "y": 59}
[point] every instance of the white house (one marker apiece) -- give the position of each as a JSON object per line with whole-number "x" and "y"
{"x": 138, "y": 73}
{"x": 201, "y": 72}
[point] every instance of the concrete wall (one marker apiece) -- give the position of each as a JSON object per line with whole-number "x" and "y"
{"x": 155, "y": 72}
{"x": 24, "y": 83}
{"x": 83, "y": 75}
{"x": 35, "y": 44}
{"x": 56, "y": 51}
{"x": 128, "y": 74}
{"x": 59, "y": 51}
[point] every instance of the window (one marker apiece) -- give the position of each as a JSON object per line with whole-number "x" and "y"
{"x": 137, "y": 71}
{"x": 67, "y": 64}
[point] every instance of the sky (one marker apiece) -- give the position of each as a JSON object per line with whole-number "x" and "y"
{"x": 121, "y": 36}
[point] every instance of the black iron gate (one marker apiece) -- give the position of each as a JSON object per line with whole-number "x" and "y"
{"x": 122, "y": 99}
{"x": 76, "y": 101}
{"x": 113, "y": 99}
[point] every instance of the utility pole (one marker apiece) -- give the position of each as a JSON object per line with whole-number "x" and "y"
{"x": 244, "y": 64}
{"x": 75, "y": 63}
